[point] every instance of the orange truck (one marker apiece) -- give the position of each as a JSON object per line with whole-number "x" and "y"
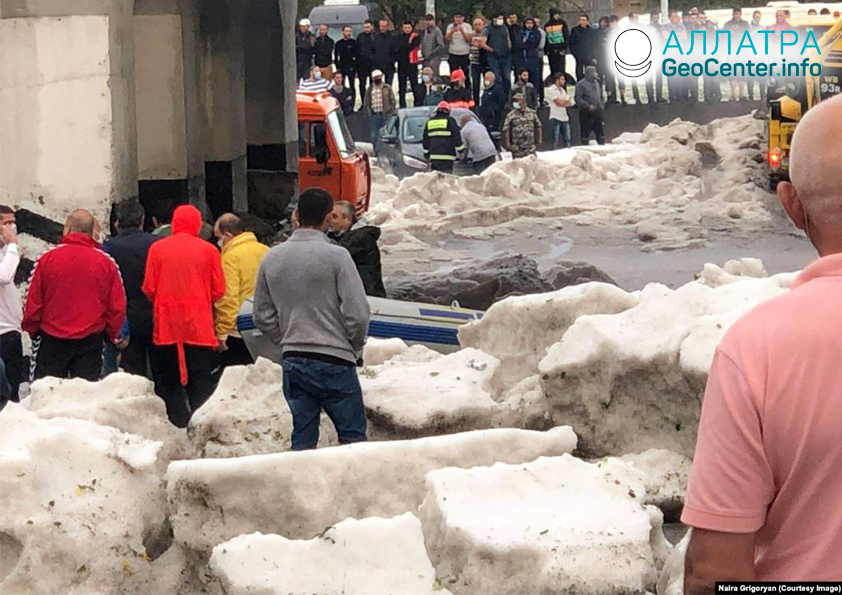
{"x": 327, "y": 155}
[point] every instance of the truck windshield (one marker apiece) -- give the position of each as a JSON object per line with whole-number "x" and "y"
{"x": 341, "y": 134}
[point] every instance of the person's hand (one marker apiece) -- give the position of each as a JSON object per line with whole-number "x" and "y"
{"x": 223, "y": 345}
{"x": 8, "y": 233}
{"x": 121, "y": 344}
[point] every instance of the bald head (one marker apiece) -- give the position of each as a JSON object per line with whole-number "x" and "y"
{"x": 464, "y": 119}
{"x": 813, "y": 198}
{"x": 80, "y": 221}
{"x": 227, "y": 227}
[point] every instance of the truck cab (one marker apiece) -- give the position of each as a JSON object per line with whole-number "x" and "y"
{"x": 327, "y": 155}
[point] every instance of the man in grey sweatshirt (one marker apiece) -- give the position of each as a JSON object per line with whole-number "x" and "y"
{"x": 591, "y": 104}
{"x": 309, "y": 300}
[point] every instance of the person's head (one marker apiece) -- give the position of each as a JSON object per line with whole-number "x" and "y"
{"x": 163, "y": 212}
{"x": 464, "y": 119}
{"x": 130, "y": 215}
{"x": 780, "y": 16}
{"x": 443, "y": 108}
{"x": 343, "y": 217}
{"x": 427, "y": 75}
{"x": 315, "y": 73}
{"x": 555, "y": 13}
{"x": 377, "y": 77}
{"x": 603, "y": 22}
{"x": 406, "y": 27}
{"x": 812, "y": 12}
{"x": 457, "y": 78}
{"x": 529, "y": 23}
{"x": 315, "y": 206}
{"x": 518, "y": 102}
{"x": 80, "y": 221}
{"x": 368, "y": 26}
{"x": 323, "y": 30}
{"x": 674, "y": 17}
{"x": 703, "y": 18}
{"x": 737, "y": 14}
{"x": 227, "y": 227}
{"x": 498, "y": 21}
{"x": 654, "y": 18}
{"x": 479, "y": 25}
{"x": 823, "y": 11}
{"x": 634, "y": 17}
{"x": 346, "y": 32}
{"x": 304, "y": 25}
{"x": 430, "y": 21}
{"x": 338, "y": 79}
{"x": 590, "y": 73}
{"x": 787, "y": 13}
{"x": 384, "y": 25}
{"x": 558, "y": 79}
{"x": 513, "y": 19}
{"x": 458, "y": 18}
{"x": 7, "y": 216}
{"x": 812, "y": 198}
{"x": 523, "y": 75}
{"x": 490, "y": 79}
{"x": 613, "y": 21}
{"x": 537, "y": 22}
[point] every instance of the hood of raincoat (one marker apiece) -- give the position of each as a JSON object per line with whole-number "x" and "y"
{"x": 187, "y": 219}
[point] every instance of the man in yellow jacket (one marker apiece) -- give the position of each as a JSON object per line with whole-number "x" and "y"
{"x": 241, "y": 256}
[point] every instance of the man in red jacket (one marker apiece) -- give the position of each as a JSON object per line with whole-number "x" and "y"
{"x": 75, "y": 301}
{"x": 183, "y": 280}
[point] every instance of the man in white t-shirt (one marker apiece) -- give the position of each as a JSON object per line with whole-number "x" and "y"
{"x": 458, "y": 38}
{"x": 559, "y": 101}
{"x": 11, "y": 310}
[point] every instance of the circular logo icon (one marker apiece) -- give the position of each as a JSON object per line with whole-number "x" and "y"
{"x": 633, "y": 48}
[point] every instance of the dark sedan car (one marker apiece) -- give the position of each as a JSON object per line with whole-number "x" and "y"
{"x": 399, "y": 147}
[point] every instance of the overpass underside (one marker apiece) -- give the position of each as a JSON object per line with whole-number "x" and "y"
{"x": 103, "y": 100}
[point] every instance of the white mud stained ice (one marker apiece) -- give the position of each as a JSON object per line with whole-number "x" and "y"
{"x": 374, "y": 556}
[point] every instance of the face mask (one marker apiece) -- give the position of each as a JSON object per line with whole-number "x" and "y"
{"x": 426, "y": 78}
{"x": 220, "y": 242}
{"x": 318, "y": 74}
{"x": 489, "y": 83}
{"x": 498, "y": 22}
{"x": 516, "y": 105}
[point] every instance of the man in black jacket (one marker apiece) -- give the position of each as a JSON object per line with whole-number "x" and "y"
{"x": 493, "y": 103}
{"x": 344, "y": 95}
{"x": 361, "y": 242}
{"x": 365, "y": 53}
{"x": 516, "y": 37}
{"x": 384, "y": 52}
{"x": 130, "y": 249}
{"x": 304, "y": 42}
{"x": 408, "y": 43}
{"x": 584, "y": 45}
{"x": 323, "y": 52}
{"x": 345, "y": 57}
{"x": 442, "y": 140}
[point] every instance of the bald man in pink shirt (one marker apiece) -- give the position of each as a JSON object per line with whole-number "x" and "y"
{"x": 765, "y": 494}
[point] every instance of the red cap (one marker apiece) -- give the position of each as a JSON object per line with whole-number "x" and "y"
{"x": 443, "y": 105}
{"x": 457, "y": 75}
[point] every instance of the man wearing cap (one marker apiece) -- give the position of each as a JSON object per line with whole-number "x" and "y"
{"x": 458, "y": 95}
{"x": 379, "y": 104}
{"x": 442, "y": 140}
{"x": 305, "y": 44}
{"x": 521, "y": 129}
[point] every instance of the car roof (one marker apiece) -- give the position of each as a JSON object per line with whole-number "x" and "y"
{"x": 428, "y": 110}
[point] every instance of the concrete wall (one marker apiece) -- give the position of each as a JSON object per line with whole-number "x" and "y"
{"x": 67, "y": 125}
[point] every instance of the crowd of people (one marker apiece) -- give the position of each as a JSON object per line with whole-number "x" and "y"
{"x": 494, "y": 63}
{"x": 164, "y": 304}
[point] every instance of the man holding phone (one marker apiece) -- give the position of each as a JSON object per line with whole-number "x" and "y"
{"x": 11, "y": 310}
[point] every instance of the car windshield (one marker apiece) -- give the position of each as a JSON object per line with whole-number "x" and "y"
{"x": 412, "y": 127}
{"x": 341, "y": 134}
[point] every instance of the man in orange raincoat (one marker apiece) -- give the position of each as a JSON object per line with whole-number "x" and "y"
{"x": 183, "y": 280}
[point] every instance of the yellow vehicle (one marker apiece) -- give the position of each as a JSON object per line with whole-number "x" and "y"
{"x": 805, "y": 91}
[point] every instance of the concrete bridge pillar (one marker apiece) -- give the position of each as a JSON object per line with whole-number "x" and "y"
{"x": 67, "y": 110}
{"x": 170, "y": 106}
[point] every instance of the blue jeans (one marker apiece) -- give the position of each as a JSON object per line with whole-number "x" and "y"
{"x": 375, "y": 123}
{"x": 561, "y": 130}
{"x": 310, "y": 386}
{"x": 501, "y": 66}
